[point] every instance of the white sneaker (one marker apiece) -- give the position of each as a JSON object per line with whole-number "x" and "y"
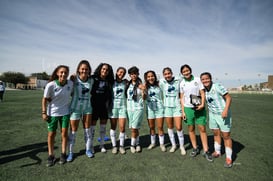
{"x": 151, "y": 146}
{"x": 122, "y": 150}
{"x": 163, "y": 148}
{"x": 138, "y": 149}
{"x": 102, "y": 149}
{"x": 173, "y": 148}
{"x": 183, "y": 151}
{"x": 114, "y": 150}
{"x": 133, "y": 150}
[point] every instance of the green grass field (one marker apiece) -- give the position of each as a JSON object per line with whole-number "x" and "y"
{"x": 23, "y": 148}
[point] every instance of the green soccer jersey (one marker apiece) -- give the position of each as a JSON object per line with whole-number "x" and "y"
{"x": 81, "y": 96}
{"x": 154, "y": 98}
{"x": 119, "y": 97}
{"x": 134, "y": 104}
{"x": 214, "y": 97}
{"x": 170, "y": 92}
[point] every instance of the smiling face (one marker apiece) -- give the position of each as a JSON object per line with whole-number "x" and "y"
{"x": 186, "y": 72}
{"x": 120, "y": 74}
{"x": 62, "y": 73}
{"x": 206, "y": 80}
{"x": 168, "y": 75}
{"x": 150, "y": 78}
{"x": 84, "y": 71}
{"x": 104, "y": 71}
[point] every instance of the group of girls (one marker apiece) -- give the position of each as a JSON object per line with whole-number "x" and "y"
{"x": 102, "y": 96}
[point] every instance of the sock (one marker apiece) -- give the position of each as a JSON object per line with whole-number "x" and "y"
{"x": 228, "y": 152}
{"x": 72, "y": 139}
{"x": 121, "y": 139}
{"x": 87, "y": 134}
{"x": 171, "y": 136}
{"x": 161, "y": 139}
{"x": 113, "y": 137}
{"x": 102, "y": 134}
{"x": 153, "y": 139}
{"x": 217, "y": 147}
{"x": 133, "y": 141}
{"x": 92, "y": 134}
{"x": 180, "y": 137}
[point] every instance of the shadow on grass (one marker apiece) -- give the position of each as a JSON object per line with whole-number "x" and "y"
{"x": 30, "y": 151}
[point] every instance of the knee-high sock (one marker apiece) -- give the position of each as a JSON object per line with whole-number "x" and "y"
{"x": 92, "y": 134}
{"x": 153, "y": 139}
{"x": 121, "y": 139}
{"x": 87, "y": 133}
{"x": 113, "y": 137}
{"x": 72, "y": 140}
{"x": 217, "y": 147}
{"x": 161, "y": 139}
{"x": 171, "y": 136}
{"x": 180, "y": 137}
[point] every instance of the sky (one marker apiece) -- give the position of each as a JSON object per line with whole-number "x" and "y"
{"x": 232, "y": 39}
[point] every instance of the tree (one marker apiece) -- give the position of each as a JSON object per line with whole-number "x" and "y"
{"x": 41, "y": 76}
{"x": 14, "y": 78}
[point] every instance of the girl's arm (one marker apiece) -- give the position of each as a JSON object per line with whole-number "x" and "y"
{"x": 228, "y": 99}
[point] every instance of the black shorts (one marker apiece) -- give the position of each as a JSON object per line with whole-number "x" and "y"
{"x": 99, "y": 113}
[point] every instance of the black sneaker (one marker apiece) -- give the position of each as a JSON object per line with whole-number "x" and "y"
{"x": 194, "y": 152}
{"x": 208, "y": 156}
{"x": 51, "y": 161}
{"x": 62, "y": 158}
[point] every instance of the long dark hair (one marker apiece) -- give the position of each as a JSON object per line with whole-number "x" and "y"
{"x": 54, "y": 75}
{"x": 156, "y": 82}
{"x": 109, "y": 77}
{"x": 86, "y": 62}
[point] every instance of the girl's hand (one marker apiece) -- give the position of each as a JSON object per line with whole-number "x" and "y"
{"x": 44, "y": 116}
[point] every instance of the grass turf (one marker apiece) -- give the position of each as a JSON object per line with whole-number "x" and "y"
{"x": 23, "y": 147}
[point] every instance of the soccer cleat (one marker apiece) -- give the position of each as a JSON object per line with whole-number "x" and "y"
{"x": 173, "y": 148}
{"x": 51, "y": 161}
{"x": 70, "y": 157}
{"x": 183, "y": 151}
{"x": 163, "y": 148}
{"x": 114, "y": 150}
{"x": 62, "y": 158}
{"x": 228, "y": 163}
{"x": 133, "y": 150}
{"x": 89, "y": 154}
{"x": 216, "y": 155}
{"x": 208, "y": 156}
{"x": 151, "y": 146}
{"x": 122, "y": 150}
{"x": 138, "y": 148}
{"x": 195, "y": 151}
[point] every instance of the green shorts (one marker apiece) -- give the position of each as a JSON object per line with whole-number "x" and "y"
{"x": 135, "y": 118}
{"x": 195, "y": 117}
{"x": 52, "y": 123}
{"x": 151, "y": 114}
{"x": 217, "y": 122}
{"x": 118, "y": 113}
{"x": 172, "y": 111}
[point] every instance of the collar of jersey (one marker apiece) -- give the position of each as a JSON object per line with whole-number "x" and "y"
{"x": 192, "y": 77}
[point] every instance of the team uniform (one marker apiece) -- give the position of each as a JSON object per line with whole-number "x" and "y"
{"x": 58, "y": 107}
{"x": 216, "y": 105}
{"x": 155, "y": 108}
{"x": 193, "y": 87}
{"x": 135, "y": 108}
{"x": 172, "y": 106}
{"x": 80, "y": 106}
{"x": 119, "y": 100}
